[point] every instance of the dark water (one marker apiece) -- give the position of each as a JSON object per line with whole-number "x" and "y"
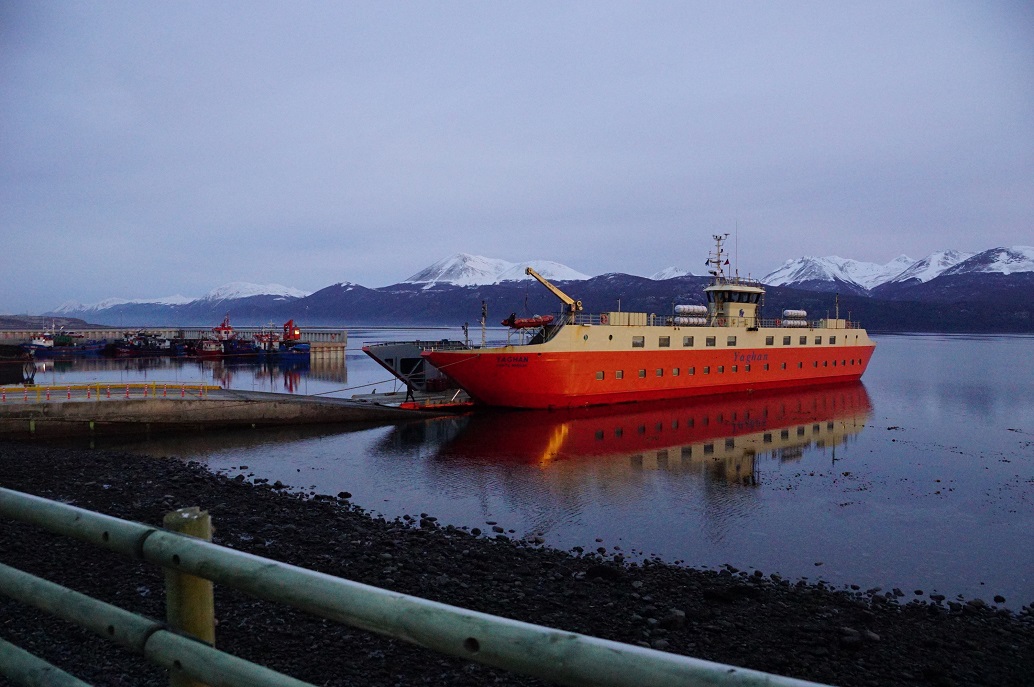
{"x": 920, "y": 478}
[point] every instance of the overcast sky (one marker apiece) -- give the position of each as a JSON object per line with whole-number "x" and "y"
{"x": 157, "y": 148}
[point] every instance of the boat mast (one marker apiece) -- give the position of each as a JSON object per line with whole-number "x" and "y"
{"x": 718, "y": 273}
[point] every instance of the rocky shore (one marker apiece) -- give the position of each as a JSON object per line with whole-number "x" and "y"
{"x": 756, "y": 620}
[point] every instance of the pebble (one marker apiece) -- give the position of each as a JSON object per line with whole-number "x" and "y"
{"x": 766, "y": 623}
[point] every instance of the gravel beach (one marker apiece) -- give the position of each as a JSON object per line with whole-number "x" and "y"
{"x": 752, "y": 619}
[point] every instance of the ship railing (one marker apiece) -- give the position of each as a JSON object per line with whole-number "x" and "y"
{"x": 436, "y": 344}
{"x": 737, "y": 281}
{"x": 765, "y": 322}
{"x": 185, "y": 643}
{"x": 809, "y": 324}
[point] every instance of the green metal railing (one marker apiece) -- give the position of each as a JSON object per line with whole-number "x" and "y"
{"x": 561, "y": 657}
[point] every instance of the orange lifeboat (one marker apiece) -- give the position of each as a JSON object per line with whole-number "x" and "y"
{"x": 514, "y": 322}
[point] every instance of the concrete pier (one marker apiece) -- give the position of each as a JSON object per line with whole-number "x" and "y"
{"x": 177, "y": 410}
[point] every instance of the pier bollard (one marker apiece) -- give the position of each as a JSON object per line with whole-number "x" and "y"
{"x": 190, "y": 604}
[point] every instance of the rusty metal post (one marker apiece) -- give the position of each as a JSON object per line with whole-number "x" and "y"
{"x": 190, "y": 604}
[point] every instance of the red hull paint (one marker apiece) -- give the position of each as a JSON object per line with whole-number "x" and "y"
{"x": 519, "y": 377}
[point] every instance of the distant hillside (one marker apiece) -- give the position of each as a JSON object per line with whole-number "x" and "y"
{"x": 948, "y": 291}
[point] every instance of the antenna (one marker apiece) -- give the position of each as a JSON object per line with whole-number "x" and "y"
{"x": 484, "y": 316}
{"x": 736, "y": 246}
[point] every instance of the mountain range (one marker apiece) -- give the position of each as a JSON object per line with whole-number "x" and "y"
{"x": 995, "y": 288}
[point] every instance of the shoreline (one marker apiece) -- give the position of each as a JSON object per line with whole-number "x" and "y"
{"x": 763, "y": 622}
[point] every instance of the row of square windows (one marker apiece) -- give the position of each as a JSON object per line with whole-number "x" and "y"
{"x": 688, "y": 341}
{"x": 687, "y": 451}
{"x": 720, "y": 369}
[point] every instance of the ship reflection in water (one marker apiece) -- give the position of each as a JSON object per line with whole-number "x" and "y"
{"x": 722, "y": 438}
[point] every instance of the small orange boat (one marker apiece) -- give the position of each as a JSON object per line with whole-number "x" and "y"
{"x": 514, "y": 322}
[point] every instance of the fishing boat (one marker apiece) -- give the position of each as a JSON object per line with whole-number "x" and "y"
{"x": 59, "y": 343}
{"x": 231, "y": 343}
{"x": 724, "y": 345}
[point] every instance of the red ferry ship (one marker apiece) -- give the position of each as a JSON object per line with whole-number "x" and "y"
{"x": 615, "y": 357}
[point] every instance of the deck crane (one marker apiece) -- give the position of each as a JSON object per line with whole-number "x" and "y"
{"x": 573, "y": 306}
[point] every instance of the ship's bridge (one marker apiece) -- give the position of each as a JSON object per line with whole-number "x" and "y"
{"x": 734, "y": 302}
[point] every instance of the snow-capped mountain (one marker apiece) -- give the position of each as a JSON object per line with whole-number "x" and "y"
{"x": 931, "y": 266}
{"x": 76, "y": 307}
{"x": 464, "y": 269}
{"x": 1000, "y": 260}
{"x": 231, "y": 291}
{"x": 809, "y": 271}
{"x": 243, "y": 289}
{"x": 671, "y": 273}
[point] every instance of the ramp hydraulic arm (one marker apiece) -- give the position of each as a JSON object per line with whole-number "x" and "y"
{"x": 573, "y": 306}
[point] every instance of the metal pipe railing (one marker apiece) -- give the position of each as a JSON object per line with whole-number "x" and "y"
{"x": 141, "y": 635}
{"x": 23, "y": 668}
{"x": 561, "y": 657}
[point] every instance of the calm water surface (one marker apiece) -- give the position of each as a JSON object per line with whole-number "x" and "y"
{"x": 920, "y": 478}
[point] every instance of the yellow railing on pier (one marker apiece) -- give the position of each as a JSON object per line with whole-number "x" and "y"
{"x": 98, "y": 391}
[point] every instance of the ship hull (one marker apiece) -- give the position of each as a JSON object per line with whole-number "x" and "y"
{"x": 585, "y": 365}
